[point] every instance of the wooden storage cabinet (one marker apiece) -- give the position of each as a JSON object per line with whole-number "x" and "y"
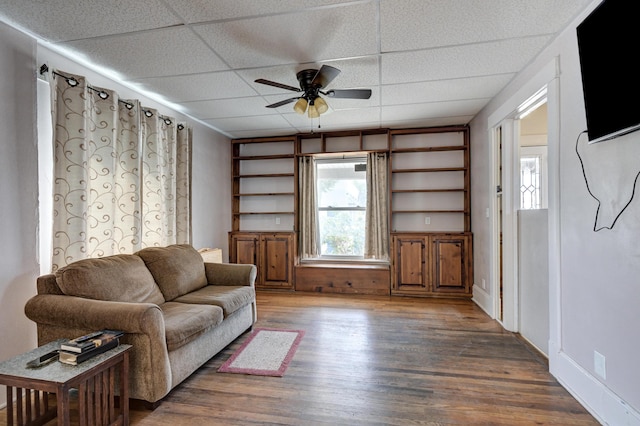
{"x": 272, "y": 253}
{"x": 437, "y": 264}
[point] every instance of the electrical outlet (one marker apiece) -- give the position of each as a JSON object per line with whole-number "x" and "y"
{"x": 427, "y": 220}
{"x": 277, "y": 221}
{"x": 599, "y": 364}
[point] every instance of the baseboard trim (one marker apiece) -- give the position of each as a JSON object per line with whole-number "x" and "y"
{"x": 600, "y": 401}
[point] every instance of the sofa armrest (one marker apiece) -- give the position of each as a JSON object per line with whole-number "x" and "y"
{"x": 77, "y": 312}
{"x": 230, "y": 274}
{"x": 60, "y": 316}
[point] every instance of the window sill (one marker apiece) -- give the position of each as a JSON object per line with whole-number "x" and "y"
{"x": 345, "y": 263}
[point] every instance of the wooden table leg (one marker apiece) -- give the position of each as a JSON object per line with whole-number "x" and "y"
{"x": 62, "y": 396}
{"x": 9, "y": 405}
{"x": 124, "y": 389}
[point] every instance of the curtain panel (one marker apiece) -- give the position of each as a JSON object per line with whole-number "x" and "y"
{"x": 122, "y": 174}
{"x": 308, "y": 214}
{"x": 376, "y": 243}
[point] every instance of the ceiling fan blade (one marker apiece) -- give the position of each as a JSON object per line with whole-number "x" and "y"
{"x": 286, "y": 101}
{"x": 280, "y": 85}
{"x": 325, "y": 75}
{"x": 350, "y": 93}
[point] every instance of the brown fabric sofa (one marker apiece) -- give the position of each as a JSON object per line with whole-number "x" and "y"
{"x": 176, "y": 310}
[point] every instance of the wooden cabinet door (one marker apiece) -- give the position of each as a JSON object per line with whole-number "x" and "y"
{"x": 244, "y": 249}
{"x": 276, "y": 264}
{"x": 411, "y": 272}
{"x": 450, "y": 264}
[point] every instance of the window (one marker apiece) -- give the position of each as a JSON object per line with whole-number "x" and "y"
{"x": 341, "y": 189}
{"x": 533, "y": 165}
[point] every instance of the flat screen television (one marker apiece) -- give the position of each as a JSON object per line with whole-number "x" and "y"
{"x": 608, "y": 50}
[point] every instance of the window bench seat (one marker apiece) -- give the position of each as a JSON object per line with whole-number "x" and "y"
{"x": 342, "y": 277}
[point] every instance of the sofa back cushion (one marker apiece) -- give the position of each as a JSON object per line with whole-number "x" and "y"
{"x": 118, "y": 278}
{"x": 178, "y": 269}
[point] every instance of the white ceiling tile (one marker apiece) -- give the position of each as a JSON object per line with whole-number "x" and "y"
{"x": 227, "y": 108}
{"x": 460, "y": 61}
{"x": 297, "y": 38}
{"x": 218, "y": 85}
{"x": 429, "y": 122}
{"x": 203, "y": 10}
{"x": 432, "y": 110}
{"x": 152, "y": 54}
{"x": 410, "y": 24}
{"x": 58, "y": 20}
{"x": 236, "y": 134}
{"x": 442, "y": 90}
{"x": 261, "y": 122}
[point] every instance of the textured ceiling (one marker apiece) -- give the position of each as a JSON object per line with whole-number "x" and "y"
{"x": 427, "y": 62}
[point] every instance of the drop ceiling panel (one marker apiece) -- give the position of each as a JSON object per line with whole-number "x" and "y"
{"x": 58, "y": 20}
{"x": 442, "y": 90}
{"x": 217, "y": 85}
{"x": 298, "y": 38}
{"x": 170, "y": 51}
{"x": 433, "y": 110}
{"x": 261, "y": 122}
{"x": 408, "y": 24}
{"x": 227, "y": 108}
{"x": 460, "y": 61}
{"x": 201, "y": 10}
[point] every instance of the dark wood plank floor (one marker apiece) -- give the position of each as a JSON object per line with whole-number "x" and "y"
{"x": 378, "y": 361}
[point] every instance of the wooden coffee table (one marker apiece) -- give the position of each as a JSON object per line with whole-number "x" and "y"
{"x": 94, "y": 379}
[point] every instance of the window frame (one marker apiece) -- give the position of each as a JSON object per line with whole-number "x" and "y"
{"x": 355, "y": 158}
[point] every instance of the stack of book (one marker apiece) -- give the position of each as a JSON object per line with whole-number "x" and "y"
{"x": 84, "y": 347}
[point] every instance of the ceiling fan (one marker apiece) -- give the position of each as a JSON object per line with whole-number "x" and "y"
{"x": 312, "y": 82}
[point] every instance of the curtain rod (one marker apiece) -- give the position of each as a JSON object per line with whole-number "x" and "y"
{"x": 104, "y": 95}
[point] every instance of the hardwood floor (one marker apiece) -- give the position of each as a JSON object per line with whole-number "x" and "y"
{"x": 377, "y": 360}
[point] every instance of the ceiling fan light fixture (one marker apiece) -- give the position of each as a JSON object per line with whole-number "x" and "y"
{"x": 313, "y": 111}
{"x": 301, "y": 106}
{"x": 321, "y": 105}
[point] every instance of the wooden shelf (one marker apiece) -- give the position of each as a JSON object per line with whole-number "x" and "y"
{"x": 250, "y": 213}
{"x": 264, "y": 157}
{"x": 429, "y": 149}
{"x": 412, "y": 191}
{"x": 264, "y": 175}
{"x": 428, "y": 211}
{"x": 430, "y": 170}
{"x": 263, "y": 194}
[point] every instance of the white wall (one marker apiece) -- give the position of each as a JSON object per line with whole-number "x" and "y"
{"x": 595, "y": 287}
{"x": 18, "y": 192}
{"x": 20, "y": 58}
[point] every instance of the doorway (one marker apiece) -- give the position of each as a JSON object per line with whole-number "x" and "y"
{"x": 520, "y": 179}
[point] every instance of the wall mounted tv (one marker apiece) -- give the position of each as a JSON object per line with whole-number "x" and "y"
{"x": 607, "y": 45}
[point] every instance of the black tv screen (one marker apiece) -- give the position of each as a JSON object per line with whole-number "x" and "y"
{"x": 608, "y": 50}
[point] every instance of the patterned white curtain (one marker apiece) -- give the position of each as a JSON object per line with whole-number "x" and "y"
{"x": 121, "y": 174}
{"x": 376, "y": 242}
{"x": 307, "y": 206}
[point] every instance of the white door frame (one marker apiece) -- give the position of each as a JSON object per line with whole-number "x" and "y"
{"x": 505, "y": 117}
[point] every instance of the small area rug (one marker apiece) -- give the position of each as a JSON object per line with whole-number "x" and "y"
{"x": 266, "y": 352}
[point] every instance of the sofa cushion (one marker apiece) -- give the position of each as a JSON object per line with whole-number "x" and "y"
{"x": 118, "y": 278}
{"x": 184, "y": 322}
{"x": 178, "y": 269}
{"x": 229, "y": 298}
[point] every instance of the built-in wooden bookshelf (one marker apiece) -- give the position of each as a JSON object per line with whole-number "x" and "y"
{"x": 429, "y": 205}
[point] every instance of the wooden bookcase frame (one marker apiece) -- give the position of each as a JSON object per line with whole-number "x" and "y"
{"x": 351, "y": 141}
